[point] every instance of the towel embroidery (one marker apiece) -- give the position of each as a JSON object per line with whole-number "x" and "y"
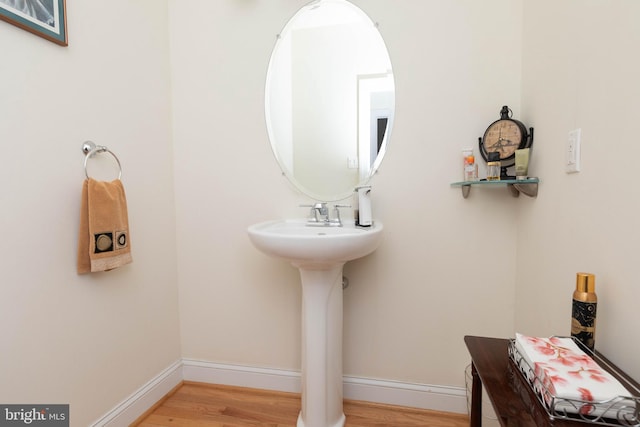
{"x": 104, "y": 242}
{"x": 121, "y": 240}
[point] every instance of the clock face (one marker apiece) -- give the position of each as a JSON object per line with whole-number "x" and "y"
{"x": 504, "y": 137}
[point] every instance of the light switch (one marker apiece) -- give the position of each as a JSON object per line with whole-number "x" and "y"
{"x": 572, "y": 164}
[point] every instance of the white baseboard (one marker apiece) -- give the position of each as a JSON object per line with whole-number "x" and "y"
{"x": 423, "y": 396}
{"x": 241, "y": 376}
{"x": 139, "y": 402}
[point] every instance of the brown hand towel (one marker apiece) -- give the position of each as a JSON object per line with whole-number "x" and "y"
{"x": 103, "y": 242}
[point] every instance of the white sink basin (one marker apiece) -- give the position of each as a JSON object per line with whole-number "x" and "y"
{"x": 302, "y": 245}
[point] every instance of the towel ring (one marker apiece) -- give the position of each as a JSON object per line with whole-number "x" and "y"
{"x": 90, "y": 149}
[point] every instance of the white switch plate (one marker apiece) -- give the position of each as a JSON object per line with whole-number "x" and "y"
{"x": 352, "y": 162}
{"x": 572, "y": 164}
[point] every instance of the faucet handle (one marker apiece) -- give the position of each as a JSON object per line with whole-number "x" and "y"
{"x": 315, "y": 206}
{"x": 336, "y": 209}
{"x": 313, "y": 214}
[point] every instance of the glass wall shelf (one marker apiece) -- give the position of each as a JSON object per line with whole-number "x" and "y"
{"x": 528, "y": 187}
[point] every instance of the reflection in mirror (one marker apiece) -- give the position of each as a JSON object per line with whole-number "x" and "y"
{"x": 329, "y": 99}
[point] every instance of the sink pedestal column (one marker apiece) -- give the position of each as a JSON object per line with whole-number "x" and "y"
{"x": 321, "y": 346}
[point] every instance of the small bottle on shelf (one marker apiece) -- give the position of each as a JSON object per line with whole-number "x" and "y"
{"x": 469, "y": 165}
{"x": 493, "y": 167}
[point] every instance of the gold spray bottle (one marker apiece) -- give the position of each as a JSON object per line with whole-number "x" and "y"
{"x": 583, "y": 315}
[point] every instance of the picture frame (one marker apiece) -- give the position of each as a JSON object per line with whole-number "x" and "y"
{"x": 44, "y": 18}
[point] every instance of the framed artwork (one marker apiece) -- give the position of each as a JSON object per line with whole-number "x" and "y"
{"x": 44, "y": 18}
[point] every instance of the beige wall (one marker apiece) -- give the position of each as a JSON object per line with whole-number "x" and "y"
{"x": 447, "y": 265}
{"x": 488, "y": 265}
{"x": 580, "y": 70}
{"x": 90, "y": 340}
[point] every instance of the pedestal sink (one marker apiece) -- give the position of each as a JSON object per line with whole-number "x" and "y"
{"x": 319, "y": 253}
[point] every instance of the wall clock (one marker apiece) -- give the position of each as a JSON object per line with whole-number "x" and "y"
{"x": 505, "y": 136}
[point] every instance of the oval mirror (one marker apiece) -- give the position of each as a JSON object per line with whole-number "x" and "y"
{"x": 329, "y": 99}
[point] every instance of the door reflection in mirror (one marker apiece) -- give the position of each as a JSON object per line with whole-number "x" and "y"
{"x": 376, "y": 100}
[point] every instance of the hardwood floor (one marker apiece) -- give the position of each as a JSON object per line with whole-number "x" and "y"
{"x": 206, "y": 405}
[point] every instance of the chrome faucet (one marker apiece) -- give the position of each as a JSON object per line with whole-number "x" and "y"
{"x": 319, "y": 215}
{"x": 321, "y": 210}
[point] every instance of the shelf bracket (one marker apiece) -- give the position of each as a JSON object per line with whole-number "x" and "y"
{"x": 513, "y": 190}
{"x": 528, "y": 189}
{"x": 466, "y": 189}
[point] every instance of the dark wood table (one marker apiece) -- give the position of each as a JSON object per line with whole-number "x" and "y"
{"x": 514, "y": 402}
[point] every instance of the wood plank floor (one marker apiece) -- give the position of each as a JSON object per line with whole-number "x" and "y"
{"x": 206, "y": 405}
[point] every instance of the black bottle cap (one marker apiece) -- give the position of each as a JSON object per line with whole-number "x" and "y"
{"x": 493, "y": 157}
